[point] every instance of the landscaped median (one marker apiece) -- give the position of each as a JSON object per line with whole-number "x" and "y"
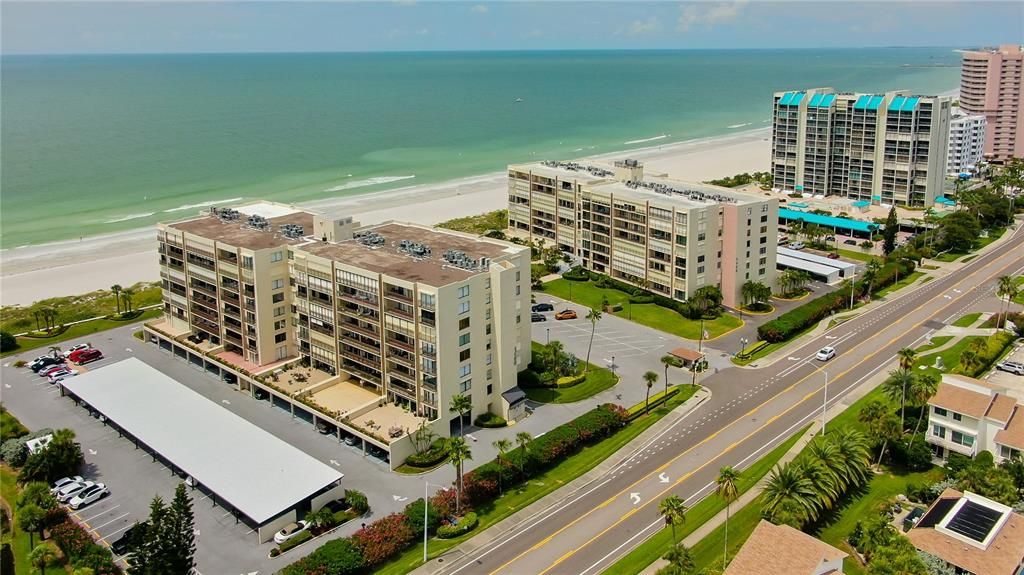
{"x": 491, "y": 492}
{"x": 555, "y": 376}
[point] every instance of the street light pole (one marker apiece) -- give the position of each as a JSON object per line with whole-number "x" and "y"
{"x": 549, "y": 335}
{"x": 426, "y": 508}
{"x": 824, "y": 405}
{"x": 853, "y": 286}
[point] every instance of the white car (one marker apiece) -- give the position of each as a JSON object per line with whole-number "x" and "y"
{"x": 289, "y": 531}
{"x": 75, "y": 348}
{"x": 89, "y": 495}
{"x": 66, "y": 493}
{"x": 825, "y": 353}
{"x": 64, "y": 481}
{"x": 60, "y": 374}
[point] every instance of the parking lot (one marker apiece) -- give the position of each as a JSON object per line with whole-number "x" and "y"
{"x": 1012, "y": 382}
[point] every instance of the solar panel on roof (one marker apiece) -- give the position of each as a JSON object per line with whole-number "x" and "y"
{"x": 974, "y": 521}
{"x": 937, "y": 513}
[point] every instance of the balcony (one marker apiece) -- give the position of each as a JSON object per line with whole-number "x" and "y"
{"x": 327, "y": 330}
{"x": 399, "y": 294}
{"x": 365, "y": 344}
{"x": 204, "y": 313}
{"x": 402, "y": 387}
{"x": 366, "y": 330}
{"x": 358, "y": 297}
{"x": 360, "y": 371}
{"x": 400, "y": 344}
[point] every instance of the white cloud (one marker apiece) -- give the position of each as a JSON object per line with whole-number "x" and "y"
{"x": 479, "y": 9}
{"x": 708, "y": 14}
{"x": 644, "y": 27}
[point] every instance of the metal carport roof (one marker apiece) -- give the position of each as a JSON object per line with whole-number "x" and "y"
{"x": 254, "y": 471}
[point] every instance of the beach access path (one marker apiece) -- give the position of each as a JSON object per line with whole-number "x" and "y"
{"x": 33, "y": 273}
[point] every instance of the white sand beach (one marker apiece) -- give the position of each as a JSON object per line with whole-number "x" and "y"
{"x": 33, "y": 273}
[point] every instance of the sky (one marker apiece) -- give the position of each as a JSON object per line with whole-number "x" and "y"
{"x": 148, "y": 26}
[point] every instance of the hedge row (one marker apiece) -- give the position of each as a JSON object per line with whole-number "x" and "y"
{"x": 995, "y": 345}
{"x": 80, "y": 549}
{"x": 796, "y": 320}
{"x": 489, "y": 420}
{"x": 381, "y": 540}
{"x": 570, "y": 380}
{"x": 437, "y": 453}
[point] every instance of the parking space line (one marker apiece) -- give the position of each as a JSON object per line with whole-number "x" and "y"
{"x": 112, "y": 533}
{"x": 96, "y": 529}
{"x": 101, "y": 512}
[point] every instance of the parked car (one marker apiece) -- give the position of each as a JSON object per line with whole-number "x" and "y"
{"x": 63, "y": 481}
{"x": 537, "y": 307}
{"x": 797, "y": 246}
{"x": 45, "y": 362}
{"x": 537, "y": 317}
{"x": 850, "y": 242}
{"x": 324, "y": 429}
{"x": 46, "y": 371}
{"x": 825, "y": 353}
{"x": 75, "y": 348}
{"x": 351, "y": 440}
{"x": 833, "y": 256}
{"x": 290, "y": 530}
{"x": 89, "y": 496}
{"x": 86, "y": 355}
{"x": 55, "y": 376}
{"x": 1011, "y": 367}
{"x": 128, "y": 538}
{"x": 830, "y": 238}
{"x": 259, "y": 394}
{"x": 67, "y": 492}
{"x": 566, "y": 314}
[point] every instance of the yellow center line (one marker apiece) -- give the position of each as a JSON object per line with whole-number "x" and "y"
{"x": 730, "y": 424}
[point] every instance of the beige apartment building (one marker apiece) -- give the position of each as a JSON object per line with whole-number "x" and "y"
{"x": 991, "y": 84}
{"x": 388, "y": 321}
{"x": 670, "y": 236}
{"x": 883, "y": 148}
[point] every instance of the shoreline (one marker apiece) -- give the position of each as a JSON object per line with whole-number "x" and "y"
{"x": 69, "y": 267}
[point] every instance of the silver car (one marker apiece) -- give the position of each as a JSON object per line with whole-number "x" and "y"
{"x": 88, "y": 495}
{"x": 67, "y": 492}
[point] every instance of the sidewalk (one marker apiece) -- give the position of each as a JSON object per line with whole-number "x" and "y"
{"x": 511, "y": 522}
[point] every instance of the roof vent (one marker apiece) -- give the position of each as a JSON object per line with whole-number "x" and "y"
{"x": 292, "y": 231}
{"x": 258, "y": 222}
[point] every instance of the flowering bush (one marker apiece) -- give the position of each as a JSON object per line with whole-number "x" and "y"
{"x": 383, "y": 538}
{"x": 81, "y": 550}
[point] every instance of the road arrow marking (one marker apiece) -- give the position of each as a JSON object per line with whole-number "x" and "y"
{"x": 128, "y": 349}
{"x": 225, "y": 402}
{"x": 635, "y": 497}
{"x": 830, "y": 337}
{"x": 663, "y": 478}
{"x": 791, "y": 358}
{"x": 335, "y": 463}
{"x": 92, "y": 452}
{"x": 399, "y": 498}
{"x": 7, "y": 385}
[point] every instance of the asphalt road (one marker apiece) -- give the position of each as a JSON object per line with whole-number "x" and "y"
{"x": 751, "y": 411}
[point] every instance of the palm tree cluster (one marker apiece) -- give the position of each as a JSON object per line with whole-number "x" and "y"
{"x": 1007, "y": 289}
{"x": 755, "y": 294}
{"x": 792, "y": 282}
{"x": 48, "y": 316}
{"x": 799, "y": 492}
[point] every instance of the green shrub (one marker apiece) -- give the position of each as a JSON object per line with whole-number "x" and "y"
{"x": 465, "y": 525}
{"x": 577, "y": 274}
{"x": 797, "y": 319}
{"x": 995, "y": 345}
{"x": 357, "y": 501}
{"x": 529, "y": 378}
{"x": 489, "y": 420}
{"x": 10, "y": 427}
{"x": 414, "y": 517}
{"x": 7, "y": 342}
{"x": 295, "y": 541}
{"x": 429, "y": 458}
{"x": 570, "y": 380}
{"x": 337, "y": 557}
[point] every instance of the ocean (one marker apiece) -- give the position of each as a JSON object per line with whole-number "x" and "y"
{"x": 98, "y": 144}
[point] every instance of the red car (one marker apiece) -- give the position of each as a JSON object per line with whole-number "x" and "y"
{"x": 86, "y": 355}
{"x": 46, "y": 371}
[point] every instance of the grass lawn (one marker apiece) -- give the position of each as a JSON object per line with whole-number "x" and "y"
{"x": 79, "y": 330}
{"x": 652, "y": 549}
{"x": 10, "y": 427}
{"x": 935, "y": 342}
{"x": 598, "y": 380}
{"x": 904, "y": 282}
{"x": 1020, "y": 286}
{"x": 478, "y": 224}
{"x": 18, "y": 319}
{"x": 857, "y": 255}
{"x": 649, "y": 314}
{"x": 18, "y": 539}
{"x": 514, "y": 500}
{"x": 967, "y": 320}
{"x": 950, "y": 357}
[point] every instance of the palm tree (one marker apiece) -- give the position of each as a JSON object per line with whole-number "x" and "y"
{"x": 789, "y": 493}
{"x": 458, "y": 451}
{"x": 55, "y": 350}
{"x": 853, "y": 448}
{"x": 127, "y": 296}
{"x": 1007, "y": 289}
{"x": 922, "y": 390}
{"x": 41, "y": 555}
{"x": 873, "y": 416}
{"x": 870, "y": 274}
{"x": 673, "y": 509}
{"x": 503, "y": 446}
{"x": 824, "y": 456}
{"x": 594, "y": 316}
{"x": 906, "y": 357}
{"x": 322, "y": 519}
{"x": 555, "y": 350}
{"x": 461, "y": 404}
{"x": 523, "y": 440}
{"x": 895, "y": 387}
{"x": 669, "y": 360}
{"x": 116, "y": 288}
{"x": 650, "y": 378}
{"x": 970, "y": 358}
{"x": 37, "y": 314}
{"x": 679, "y": 556}
{"x": 725, "y": 487}
{"x": 747, "y": 292}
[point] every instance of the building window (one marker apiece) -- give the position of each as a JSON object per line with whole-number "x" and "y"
{"x": 487, "y": 314}
{"x": 464, "y": 354}
{"x": 465, "y": 369}
{"x": 517, "y": 275}
{"x": 464, "y": 339}
{"x": 962, "y": 439}
{"x": 487, "y": 283}
{"x": 700, "y": 270}
{"x": 958, "y": 417}
{"x": 427, "y": 300}
{"x": 280, "y": 324}
{"x": 282, "y": 352}
{"x": 763, "y": 251}
{"x": 939, "y": 431}
{"x": 464, "y": 307}
{"x": 490, "y": 359}
{"x": 490, "y": 374}
{"x": 518, "y": 290}
{"x": 277, "y": 284}
{"x": 940, "y": 411}
{"x": 701, "y": 236}
{"x": 487, "y": 330}
{"x": 277, "y": 298}
{"x": 463, "y": 291}
{"x": 247, "y": 262}
{"x": 464, "y": 323}
{"x": 276, "y": 256}
{"x": 1008, "y": 452}
{"x": 278, "y": 311}
{"x": 465, "y": 386}
{"x": 490, "y": 389}
{"x": 279, "y": 338}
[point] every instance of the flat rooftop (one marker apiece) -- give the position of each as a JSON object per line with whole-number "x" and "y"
{"x": 388, "y": 257}
{"x": 600, "y": 177}
{"x": 238, "y": 233}
{"x": 257, "y": 473}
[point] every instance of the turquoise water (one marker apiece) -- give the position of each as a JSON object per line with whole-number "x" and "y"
{"x": 97, "y": 144}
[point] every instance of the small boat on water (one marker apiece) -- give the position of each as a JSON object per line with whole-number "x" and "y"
{"x": 518, "y": 100}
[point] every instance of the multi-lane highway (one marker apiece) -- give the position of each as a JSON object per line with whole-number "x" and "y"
{"x": 750, "y": 412}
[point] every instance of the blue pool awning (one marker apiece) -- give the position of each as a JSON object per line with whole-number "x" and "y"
{"x": 944, "y": 201}
{"x": 827, "y": 221}
{"x": 861, "y": 204}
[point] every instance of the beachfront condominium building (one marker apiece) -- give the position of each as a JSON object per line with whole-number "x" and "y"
{"x": 991, "y": 84}
{"x": 966, "y": 142}
{"x": 668, "y": 236}
{"x": 883, "y": 148}
{"x": 403, "y": 315}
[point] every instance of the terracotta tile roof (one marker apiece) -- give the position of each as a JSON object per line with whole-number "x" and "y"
{"x": 961, "y": 400}
{"x": 782, "y": 550}
{"x": 1001, "y": 408}
{"x": 1013, "y": 434}
{"x": 1002, "y": 557}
